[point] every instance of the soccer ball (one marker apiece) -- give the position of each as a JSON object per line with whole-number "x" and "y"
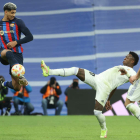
{"x": 18, "y": 70}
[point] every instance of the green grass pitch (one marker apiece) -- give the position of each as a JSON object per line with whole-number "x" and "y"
{"x": 67, "y": 128}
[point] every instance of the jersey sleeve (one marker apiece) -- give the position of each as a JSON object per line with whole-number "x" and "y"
{"x": 22, "y": 27}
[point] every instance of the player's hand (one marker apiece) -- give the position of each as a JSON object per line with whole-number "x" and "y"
{"x": 108, "y": 106}
{"x": 123, "y": 71}
{"x": 12, "y": 44}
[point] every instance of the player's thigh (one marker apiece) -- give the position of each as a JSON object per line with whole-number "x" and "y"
{"x": 102, "y": 94}
{"x": 2, "y": 60}
{"x": 90, "y": 79}
{"x": 3, "y": 53}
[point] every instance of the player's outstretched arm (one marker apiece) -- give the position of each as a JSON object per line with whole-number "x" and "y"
{"x": 28, "y": 35}
{"x": 135, "y": 77}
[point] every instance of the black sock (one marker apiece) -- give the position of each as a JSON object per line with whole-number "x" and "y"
{"x": 8, "y": 84}
{"x": 11, "y": 59}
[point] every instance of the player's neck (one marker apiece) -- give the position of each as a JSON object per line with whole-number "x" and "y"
{"x": 129, "y": 66}
{"x": 5, "y": 19}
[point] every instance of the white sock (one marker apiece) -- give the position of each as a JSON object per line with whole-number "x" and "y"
{"x": 101, "y": 119}
{"x": 64, "y": 72}
{"x": 134, "y": 109}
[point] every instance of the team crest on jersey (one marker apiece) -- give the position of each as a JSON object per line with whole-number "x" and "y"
{"x": 12, "y": 24}
{"x": 1, "y": 32}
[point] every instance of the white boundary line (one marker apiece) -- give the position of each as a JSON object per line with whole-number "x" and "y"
{"x": 78, "y": 58}
{"x": 74, "y": 10}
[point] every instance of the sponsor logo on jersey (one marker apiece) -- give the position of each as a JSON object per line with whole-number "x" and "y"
{"x": 12, "y": 24}
{"x": 11, "y": 31}
{"x": 2, "y": 32}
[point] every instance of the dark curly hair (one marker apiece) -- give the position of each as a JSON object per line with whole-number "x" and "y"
{"x": 9, "y": 6}
{"x": 135, "y": 56}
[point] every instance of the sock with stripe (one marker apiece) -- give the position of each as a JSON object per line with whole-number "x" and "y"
{"x": 134, "y": 109}
{"x": 11, "y": 59}
{"x": 64, "y": 72}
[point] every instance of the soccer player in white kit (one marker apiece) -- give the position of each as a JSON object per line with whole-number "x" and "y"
{"x": 133, "y": 94}
{"x": 104, "y": 83}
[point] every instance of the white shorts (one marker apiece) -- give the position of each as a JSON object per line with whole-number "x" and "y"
{"x": 102, "y": 90}
{"x": 134, "y": 91}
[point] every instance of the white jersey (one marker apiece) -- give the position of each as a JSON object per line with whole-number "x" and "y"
{"x": 134, "y": 91}
{"x": 113, "y": 78}
{"x": 107, "y": 81}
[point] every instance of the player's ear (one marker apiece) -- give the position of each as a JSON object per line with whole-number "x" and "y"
{"x": 132, "y": 61}
{"x": 5, "y": 12}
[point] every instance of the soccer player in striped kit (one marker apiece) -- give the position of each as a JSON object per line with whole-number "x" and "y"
{"x": 10, "y": 40}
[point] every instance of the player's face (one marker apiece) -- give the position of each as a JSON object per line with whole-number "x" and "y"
{"x": 10, "y": 14}
{"x": 128, "y": 60}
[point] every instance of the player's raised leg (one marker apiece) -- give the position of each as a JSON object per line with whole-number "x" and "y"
{"x": 80, "y": 73}
{"x": 9, "y": 57}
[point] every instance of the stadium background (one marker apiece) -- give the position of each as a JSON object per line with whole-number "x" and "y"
{"x": 94, "y": 35}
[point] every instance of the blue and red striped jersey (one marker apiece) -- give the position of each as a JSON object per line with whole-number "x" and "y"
{"x": 11, "y": 31}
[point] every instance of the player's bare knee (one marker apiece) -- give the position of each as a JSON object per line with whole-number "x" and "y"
{"x": 81, "y": 74}
{"x": 98, "y": 106}
{"x": 3, "y": 53}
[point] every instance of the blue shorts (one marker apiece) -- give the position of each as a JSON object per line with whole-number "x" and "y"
{"x": 18, "y": 57}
